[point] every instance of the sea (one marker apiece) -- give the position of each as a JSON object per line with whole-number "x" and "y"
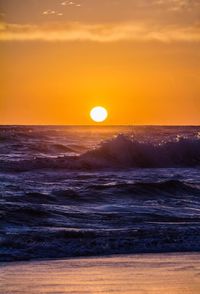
{"x": 69, "y": 191}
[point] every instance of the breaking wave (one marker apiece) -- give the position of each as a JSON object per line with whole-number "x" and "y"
{"x": 75, "y": 199}
{"x": 120, "y": 152}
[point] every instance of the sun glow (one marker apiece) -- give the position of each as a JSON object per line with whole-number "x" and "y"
{"x": 98, "y": 114}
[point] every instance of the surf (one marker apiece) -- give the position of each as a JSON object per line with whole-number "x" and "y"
{"x": 120, "y": 152}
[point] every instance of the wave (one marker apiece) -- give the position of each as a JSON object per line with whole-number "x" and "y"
{"x": 125, "y": 152}
{"x": 100, "y": 219}
{"x": 105, "y": 191}
{"x": 170, "y": 191}
{"x": 50, "y": 148}
{"x": 148, "y": 189}
{"x": 49, "y": 243}
{"x": 119, "y": 152}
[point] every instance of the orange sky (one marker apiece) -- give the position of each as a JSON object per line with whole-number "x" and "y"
{"x": 139, "y": 59}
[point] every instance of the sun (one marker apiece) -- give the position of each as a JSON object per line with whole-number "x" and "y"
{"x": 98, "y": 114}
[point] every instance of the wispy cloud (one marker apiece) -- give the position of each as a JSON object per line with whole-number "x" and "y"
{"x": 176, "y": 4}
{"x": 70, "y": 3}
{"x": 99, "y": 32}
{"x": 51, "y": 12}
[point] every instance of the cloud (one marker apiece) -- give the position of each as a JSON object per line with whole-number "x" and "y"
{"x": 70, "y": 3}
{"x": 111, "y": 32}
{"x": 177, "y": 4}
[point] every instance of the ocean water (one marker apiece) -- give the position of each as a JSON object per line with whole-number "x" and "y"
{"x": 80, "y": 191}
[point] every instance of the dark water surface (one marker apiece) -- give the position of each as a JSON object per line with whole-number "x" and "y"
{"x": 76, "y": 191}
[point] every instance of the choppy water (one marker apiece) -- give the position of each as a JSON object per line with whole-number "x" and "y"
{"x": 74, "y": 191}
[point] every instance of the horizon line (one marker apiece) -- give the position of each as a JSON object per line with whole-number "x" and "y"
{"x": 107, "y": 125}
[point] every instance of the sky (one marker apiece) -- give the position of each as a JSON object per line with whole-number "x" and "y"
{"x": 138, "y": 58}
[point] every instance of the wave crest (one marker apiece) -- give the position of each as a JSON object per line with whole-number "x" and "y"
{"x": 121, "y": 152}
